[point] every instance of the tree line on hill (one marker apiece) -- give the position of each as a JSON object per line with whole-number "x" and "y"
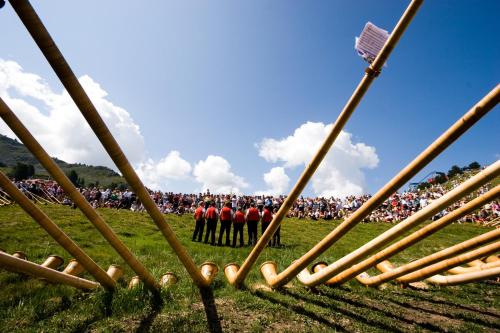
{"x": 23, "y": 171}
{"x": 442, "y": 177}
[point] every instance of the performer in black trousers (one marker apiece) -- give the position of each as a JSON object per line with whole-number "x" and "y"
{"x": 211, "y": 215}
{"x": 238, "y": 224}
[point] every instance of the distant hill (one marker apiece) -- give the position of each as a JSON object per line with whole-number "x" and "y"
{"x": 13, "y": 152}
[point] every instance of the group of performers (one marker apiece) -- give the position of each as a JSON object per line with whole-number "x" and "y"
{"x": 207, "y": 214}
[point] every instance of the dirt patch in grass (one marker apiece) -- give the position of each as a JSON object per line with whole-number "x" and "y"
{"x": 234, "y": 318}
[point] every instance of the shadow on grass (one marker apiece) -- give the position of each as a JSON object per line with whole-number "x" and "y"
{"x": 208, "y": 300}
{"x": 414, "y": 309}
{"x": 293, "y": 306}
{"x": 104, "y": 311}
{"x": 147, "y": 321}
{"x": 356, "y": 311}
{"x": 450, "y": 312}
{"x": 433, "y": 304}
{"x": 347, "y": 304}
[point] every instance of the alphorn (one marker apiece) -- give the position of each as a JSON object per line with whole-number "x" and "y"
{"x": 63, "y": 71}
{"x": 390, "y": 272}
{"x": 422, "y": 215}
{"x": 236, "y": 274}
{"x": 415, "y": 237}
{"x": 17, "y": 265}
{"x": 60, "y": 177}
{"x": 55, "y": 232}
{"x": 444, "y": 265}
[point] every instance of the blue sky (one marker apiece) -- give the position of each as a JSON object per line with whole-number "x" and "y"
{"x": 218, "y": 77}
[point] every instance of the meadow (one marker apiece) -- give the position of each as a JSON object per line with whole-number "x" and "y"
{"x": 31, "y": 305}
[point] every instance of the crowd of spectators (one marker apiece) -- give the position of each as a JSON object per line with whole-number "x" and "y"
{"x": 396, "y": 208}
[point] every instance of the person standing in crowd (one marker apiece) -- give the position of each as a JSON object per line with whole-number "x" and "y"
{"x": 211, "y": 215}
{"x": 226, "y": 216}
{"x": 252, "y": 216}
{"x": 238, "y": 224}
{"x": 234, "y": 203}
{"x": 267, "y": 217}
{"x": 277, "y": 236}
{"x": 260, "y": 205}
{"x": 199, "y": 217}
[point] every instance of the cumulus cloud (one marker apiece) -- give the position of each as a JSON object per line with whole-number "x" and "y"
{"x": 276, "y": 180}
{"x": 341, "y": 172}
{"x": 214, "y": 173}
{"x": 56, "y": 122}
{"x": 157, "y": 175}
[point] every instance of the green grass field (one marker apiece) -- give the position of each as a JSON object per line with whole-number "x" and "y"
{"x": 28, "y": 305}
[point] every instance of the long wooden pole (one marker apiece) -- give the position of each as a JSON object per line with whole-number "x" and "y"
{"x": 5, "y": 197}
{"x": 413, "y": 266}
{"x": 444, "y": 265}
{"x": 17, "y": 265}
{"x": 416, "y": 236}
{"x": 371, "y": 73}
{"x": 62, "y": 69}
{"x": 55, "y": 171}
{"x": 482, "y": 267}
{"x": 53, "y": 230}
{"x": 451, "y": 280}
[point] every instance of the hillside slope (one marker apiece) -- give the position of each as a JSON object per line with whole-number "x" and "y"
{"x": 13, "y": 152}
{"x": 28, "y": 305}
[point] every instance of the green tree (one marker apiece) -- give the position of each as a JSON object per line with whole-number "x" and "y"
{"x": 122, "y": 187}
{"x": 22, "y": 171}
{"x": 77, "y": 181}
{"x": 474, "y": 166}
{"x": 423, "y": 186}
{"x": 440, "y": 178}
{"x": 455, "y": 170}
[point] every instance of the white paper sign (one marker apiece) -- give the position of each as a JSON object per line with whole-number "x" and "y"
{"x": 371, "y": 41}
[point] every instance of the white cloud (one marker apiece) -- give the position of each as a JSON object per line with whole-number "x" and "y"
{"x": 214, "y": 173}
{"x": 157, "y": 175}
{"x": 55, "y": 121}
{"x": 276, "y": 180}
{"x": 340, "y": 173}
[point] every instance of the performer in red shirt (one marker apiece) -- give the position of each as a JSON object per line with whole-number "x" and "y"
{"x": 200, "y": 222}
{"x": 211, "y": 215}
{"x": 238, "y": 224}
{"x": 226, "y": 216}
{"x": 267, "y": 217}
{"x": 252, "y": 216}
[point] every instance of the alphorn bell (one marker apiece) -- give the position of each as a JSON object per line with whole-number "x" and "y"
{"x": 53, "y": 261}
{"x": 20, "y": 255}
{"x": 168, "y": 279}
{"x": 74, "y": 268}
{"x": 318, "y": 266}
{"x": 134, "y": 282}
{"x": 115, "y": 272}
{"x": 267, "y": 268}
{"x": 231, "y": 270}
{"x": 492, "y": 258}
{"x": 209, "y": 270}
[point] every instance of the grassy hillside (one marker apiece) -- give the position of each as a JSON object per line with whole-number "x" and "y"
{"x": 13, "y": 152}
{"x": 28, "y": 305}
